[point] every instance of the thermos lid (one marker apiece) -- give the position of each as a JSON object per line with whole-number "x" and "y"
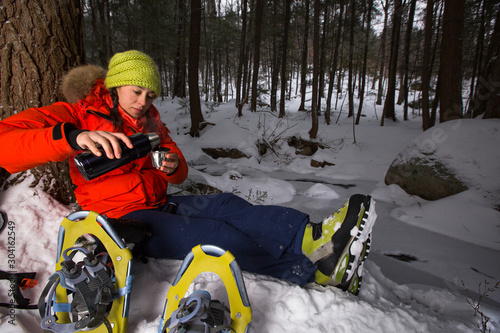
{"x": 154, "y": 139}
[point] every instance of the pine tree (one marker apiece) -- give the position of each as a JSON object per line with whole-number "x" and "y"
{"x": 193, "y": 64}
{"x": 39, "y": 41}
{"x": 450, "y": 70}
{"x": 389, "y": 111}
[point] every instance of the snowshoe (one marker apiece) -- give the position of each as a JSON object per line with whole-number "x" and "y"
{"x": 338, "y": 265}
{"x": 197, "y": 312}
{"x": 90, "y": 289}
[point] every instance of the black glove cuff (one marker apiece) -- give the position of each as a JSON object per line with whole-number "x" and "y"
{"x": 71, "y": 132}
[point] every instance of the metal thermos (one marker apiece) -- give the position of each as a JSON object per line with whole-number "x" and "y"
{"x": 92, "y": 166}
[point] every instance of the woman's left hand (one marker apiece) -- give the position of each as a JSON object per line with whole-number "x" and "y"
{"x": 170, "y": 163}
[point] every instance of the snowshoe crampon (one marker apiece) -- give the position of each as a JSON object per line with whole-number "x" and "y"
{"x": 197, "y": 312}
{"x": 92, "y": 294}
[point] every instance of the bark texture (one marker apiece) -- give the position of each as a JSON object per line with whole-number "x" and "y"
{"x": 39, "y": 41}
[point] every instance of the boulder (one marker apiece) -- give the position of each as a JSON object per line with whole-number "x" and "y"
{"x": 320, "y": 164}
{"x": 304, "y": 147}
{"x": 449, "y": 158}
{"x": 424, "y": 177}
{"x": 216, "y": 153}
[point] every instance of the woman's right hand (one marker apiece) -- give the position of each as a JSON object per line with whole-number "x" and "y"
{"x": 109, "y": 141}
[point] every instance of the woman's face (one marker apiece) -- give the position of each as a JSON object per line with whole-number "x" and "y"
{"x": 134, "y": 100}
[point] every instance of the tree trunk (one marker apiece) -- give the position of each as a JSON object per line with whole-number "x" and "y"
{"x": 284, "y": 58}
{"x": 105, "y": 29}
{"x": 493, "y": 103}
{"x": 426, "y": 65}
{"x": 365, "y": 58}
{"x": 109, "y": 33}
{"x": 450, "y": 71}
{"x": 403, "y": 92}
{"x": 333, "y": 68}
{"x": 321, "y": 83}
{"x": 259, "y": 10}
{"x": 486, "y": 100}
{"x": 218, "y": 87}
{"x": 383, "y": 41}
{"x": 435, "y": 101}
{"x": 101, "y": 51}
{"x": 313, "y": 132}
{"x": 351, "y": 56}
{"x": 276, "y": 57}
{"x": 247, "y": 75}
{"x": 194, "y": 58}
{"x": 39, "y": 41}
{"x": 304, "y": 67}
{"x": 389, "y": 111}
{"x": 180, "y": 60}
{"x": 478, "y": 54}
{"x": 216, "y": 58}
{"x": 242, "y": 59}
{"x": 228, "y": 77}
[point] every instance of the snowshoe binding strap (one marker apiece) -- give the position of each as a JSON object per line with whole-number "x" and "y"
{"x": 199, "y": 313}
{"x": 208, "y": 258}
{"x": 18, "y": 282}
{"x": 89, "y": 282}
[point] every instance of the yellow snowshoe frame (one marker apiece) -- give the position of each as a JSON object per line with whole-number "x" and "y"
{"x": 210, "y": 258}
{"x": 88, "y": 222}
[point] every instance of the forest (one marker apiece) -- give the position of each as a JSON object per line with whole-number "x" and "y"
{"x": 445, "y": 52}
{"x": 439, "y": 59}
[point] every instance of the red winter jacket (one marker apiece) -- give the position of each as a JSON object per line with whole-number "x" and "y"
{"x": 39, "y": 135}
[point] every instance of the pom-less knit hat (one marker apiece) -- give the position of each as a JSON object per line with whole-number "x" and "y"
{"x": 133, "y": 68}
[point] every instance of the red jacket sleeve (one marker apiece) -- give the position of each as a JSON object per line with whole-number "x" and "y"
{"x": 36, "y": 136}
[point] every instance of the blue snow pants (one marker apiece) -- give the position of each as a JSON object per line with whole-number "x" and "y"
{"x": 264, "y": 239}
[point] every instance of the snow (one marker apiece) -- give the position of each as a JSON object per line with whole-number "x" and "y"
{"x": 451, "y": 246}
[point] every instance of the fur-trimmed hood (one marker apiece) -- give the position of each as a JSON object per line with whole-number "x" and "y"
{"x": 79, "y": 81}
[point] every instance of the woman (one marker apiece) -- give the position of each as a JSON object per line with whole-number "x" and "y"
{"x": 103, "y": 109}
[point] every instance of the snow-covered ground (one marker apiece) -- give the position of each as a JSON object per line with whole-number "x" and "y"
{"x": 427, "y": 257}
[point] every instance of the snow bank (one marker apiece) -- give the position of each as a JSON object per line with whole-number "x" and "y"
{"x": 453, "y": 241}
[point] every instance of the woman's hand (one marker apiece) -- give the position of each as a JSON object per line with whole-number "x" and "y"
{"x": 170, "y": 163}
{"x": 109, "y": 141}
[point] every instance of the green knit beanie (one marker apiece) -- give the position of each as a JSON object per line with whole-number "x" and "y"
{"x": 133, "y": 68}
